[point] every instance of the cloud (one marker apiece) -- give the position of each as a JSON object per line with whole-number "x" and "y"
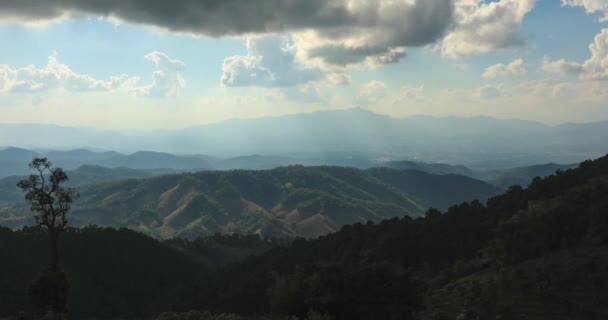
{"x": 591, "y": 7}
{"x": 55, "y": 75}
{"x": 326, "y": 34}
{"x": 326, "y": 37}
{"x": 415, "y": 94}
{"x": 270, "y": 62}
{"x": 561, "y": 66}
{"x": 489, "y": 92}
{"x": 581, "y": 92}
{"x": 167, "y": 79}
{"x": 514, "y": 68}
{"x": 377, "y": 94}
{"x": 384, "y": 30}
{"x": 594, "y": 68}
{"x": 204, "y": 17}
{"x": 241, "y": 17}
{"x": 481, "y": 27}
{"x": 338, "y": 78}
{"x": 345, "y": 31}
{"x": 370, "y": 93}
{"x": 309, "y": 93}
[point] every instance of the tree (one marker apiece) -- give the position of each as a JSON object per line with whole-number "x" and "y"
{"x": 50, "y": 201}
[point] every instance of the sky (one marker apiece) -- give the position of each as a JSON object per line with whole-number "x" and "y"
{"x": 179, "y": 63}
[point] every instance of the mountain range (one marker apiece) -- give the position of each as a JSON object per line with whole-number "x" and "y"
{"x": 94, "y": 166}
{"x": 479, "y": 142}
{"x": 535, "y": 252}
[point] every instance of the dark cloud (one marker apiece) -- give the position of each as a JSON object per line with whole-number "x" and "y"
{"x": 341, "y": 55}
{"x": 337, "y": 54}
{"x": 236, "y": 17}
{"x": 356, "y": 30}
{"x": 209, "y": 17}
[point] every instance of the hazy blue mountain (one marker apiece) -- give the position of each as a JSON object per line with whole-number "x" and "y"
{"x": 14, "y": 161}
{"x": 70, "y": 159}
{"x": 522, "y": 175}
{"x": 155, "y": 160}
{"x": 252, "y": 162}
{"x": 435, "y": 168}
{"x": 47, "y": 136}
{"x": 480, "y": 143}
{"x": 502, "y": 178}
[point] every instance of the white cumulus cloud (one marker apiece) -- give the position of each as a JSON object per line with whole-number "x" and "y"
{"x": 481, "y": 26}
{"x": 561, "y": 66}
{"x": 166, "y": 82}
{"x": 371, "y": 93}
{"x": 594, "y": 68}
{"x": 55, "y": 75}
{"x": 489, "y": 92}
{"x": 590, "y": 6}
{"x": 514, "y": 68}
{"x": 168, "y": 78}
{"x": 270, "y": 62}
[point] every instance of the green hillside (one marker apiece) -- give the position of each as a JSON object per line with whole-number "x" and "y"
{"x": 287, "y": 201}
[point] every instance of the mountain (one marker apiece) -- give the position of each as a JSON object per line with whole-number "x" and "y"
{"x": 434, "y": 168}
{"x": 70, "y": 159}
{"x": 502, "y": 178}
{"x": 539, "y": 252}
{"x": 481, "y": 143}
{"x": 535, "y": 253}
{"x": 83, "y": 175}
{"x": 435, "y": 191}
{"x": 156, "y": 160}
{"x": 13, "y": 161}
{"x": 522, "y": 175}
{"x": 282, "y": 202}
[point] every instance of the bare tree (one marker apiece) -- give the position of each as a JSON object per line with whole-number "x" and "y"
{"x": 49, "y": 201}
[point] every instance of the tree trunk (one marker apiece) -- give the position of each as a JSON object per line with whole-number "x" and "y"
{"x": 54, "y": 251}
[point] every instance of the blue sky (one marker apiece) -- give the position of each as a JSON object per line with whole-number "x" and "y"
{"x": 174, "y": 67}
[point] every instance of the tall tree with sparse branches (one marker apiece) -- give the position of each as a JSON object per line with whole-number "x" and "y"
{"x": 49, "y": 200}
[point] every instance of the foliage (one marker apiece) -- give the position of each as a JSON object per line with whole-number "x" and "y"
{"x": 47, "y": 197}
{"x": 49, "y": 201}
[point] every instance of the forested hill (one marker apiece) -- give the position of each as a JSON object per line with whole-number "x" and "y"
{"x": 282, "y": 202}
{"x": 538, "y": 253}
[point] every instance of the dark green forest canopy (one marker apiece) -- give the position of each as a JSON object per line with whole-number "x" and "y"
{"x": 539, "y": 251}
